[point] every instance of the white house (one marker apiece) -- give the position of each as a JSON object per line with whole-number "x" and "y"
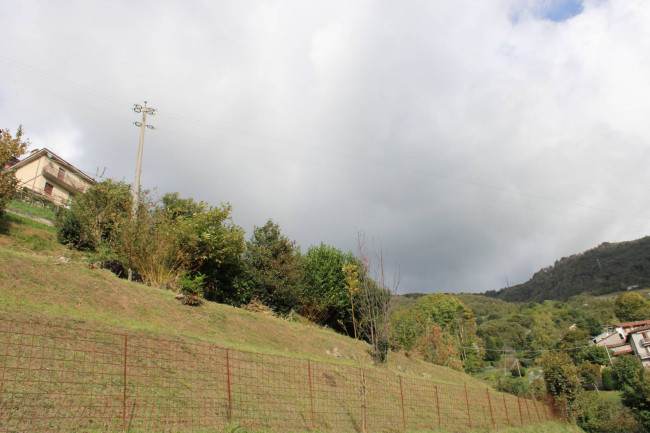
{"x": 48, "y": 175}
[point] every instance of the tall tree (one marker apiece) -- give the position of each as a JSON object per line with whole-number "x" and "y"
{"x": 327, "y": 298}
{"x": 11, "y": 148}
{"x": 272, "y": 270}
{"x": 631, "y": 306}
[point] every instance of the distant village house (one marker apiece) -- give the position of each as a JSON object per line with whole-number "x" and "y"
{"x": 48, "y": 175}
{"x": 628, "y": 337}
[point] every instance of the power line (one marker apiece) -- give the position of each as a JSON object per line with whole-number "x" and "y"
{"x": 267, "y": 137}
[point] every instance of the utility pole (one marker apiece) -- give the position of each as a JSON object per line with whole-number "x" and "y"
{"x": 136, "y": 186}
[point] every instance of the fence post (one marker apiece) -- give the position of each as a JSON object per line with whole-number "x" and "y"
{"x": 536, "y": 411}
{"x": 311, "y": 395}
{"x": 505, "y": 406}
{"x": 528, "y": 410}
{"x": 228, "y": 380}
{"x": 487, "y": 390}
{"x": 469, "y": 416}
{"x": 126, "y": 342}
{"x": 521, "y": 415}
{"x": 4, "y": 368}
{"x": 401, "y": 394}
{"x": 438, "y": 406}
{"x": 363, "y": 399}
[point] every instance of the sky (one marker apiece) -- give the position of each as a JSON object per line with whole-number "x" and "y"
{"x": 472, "y": 142}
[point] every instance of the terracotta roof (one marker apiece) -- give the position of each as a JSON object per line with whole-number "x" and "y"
{"x": 639, "y": 329}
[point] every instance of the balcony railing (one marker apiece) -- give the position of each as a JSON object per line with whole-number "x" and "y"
{"x": 63, "y": 178}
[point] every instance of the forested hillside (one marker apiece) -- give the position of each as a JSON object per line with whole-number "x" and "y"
{"x": 608, "y": 268}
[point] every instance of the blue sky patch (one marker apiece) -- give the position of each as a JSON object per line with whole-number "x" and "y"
{"x": 561, "y": 10}
{"x": 553, "y": 10}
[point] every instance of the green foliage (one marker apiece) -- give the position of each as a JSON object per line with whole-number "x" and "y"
{"x": 625, "y": 370}
{"x": 191, "y": 287}
{"x": 595, "y": 414}
{"x": 437, "y": 347}
{"x": 560, "y": 375}
{"x": 404, "y": 330}
{"x": 608, "y": 379}
{"x": 453, "y": 324}
{"x": 94, "y": 217}
{"x": 11, "y": 148}
{"x": 631, "y": 306}
{"x": 442, "y": 310}
{"x": 589, "y": 373}
{"x": 273, "y": 269}
{"x": 162, "y": 244}
{"x": 518, "y": 372}
{"x": 636, "y": 396}
{"x": 593, "y": 354}
{"x": 516, "y": 386}
{"x": 327, "y": 299}
{"x": 608, "y": 268}
{"x": 493, "y": 346}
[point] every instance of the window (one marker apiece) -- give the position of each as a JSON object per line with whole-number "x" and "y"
{"x": 61, "y": 174}
{"x": 48, "y": 188}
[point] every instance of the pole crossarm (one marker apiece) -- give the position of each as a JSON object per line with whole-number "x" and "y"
{"x": 144, "y": 109}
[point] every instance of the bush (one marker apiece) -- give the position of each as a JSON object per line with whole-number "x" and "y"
{"x": 608, "y": 380}
{"x": 625, "y": 370}
{"x": 191, "y": 287}
{"x": 594, "y": 414}
{"x": 518, "y": 372}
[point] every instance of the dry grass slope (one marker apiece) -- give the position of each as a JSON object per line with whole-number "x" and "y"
{"x": 43, "y": 282}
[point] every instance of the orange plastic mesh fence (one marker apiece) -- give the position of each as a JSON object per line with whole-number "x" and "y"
{"x": 66, "y": 379}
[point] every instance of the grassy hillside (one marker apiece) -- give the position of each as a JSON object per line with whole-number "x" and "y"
{"x": 42, "y": 280}
{"x": 608, "y": 268}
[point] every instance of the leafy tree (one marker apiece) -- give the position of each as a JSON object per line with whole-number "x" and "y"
{"x": 593, "y": 354}
{"x": 272, "y": 269}
{"x": 214, "y": 243}
{"x": 631, "y": 306}
{"x": 625, "y": 370}
{"x": 494, "y": 347}
{"x": 636, "y": 396}
{"x": 404, "y": 330}
{"x": 11, "y": 148}
{"x": 589, "y": 373}
{"x": 94, "y": 217}
{"x": 327, "y": 297}
{"x": 187, "y": 239}
{"x": 595, "y": 414}
{"x": 560, "y": 375}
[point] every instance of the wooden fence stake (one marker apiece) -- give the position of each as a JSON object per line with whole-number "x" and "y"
{"x": 229, "y": 392}
{"x": 311, "y": 395}
{"x": 438, "y": 406}
{"x": 401, "y": 394}
{"x": 521, "y": 415}
{"x": 469, "y": 416}
{"x": 487, "y": 390}
{"x": 126, "y": 339}
{"x": 505, "y": 406}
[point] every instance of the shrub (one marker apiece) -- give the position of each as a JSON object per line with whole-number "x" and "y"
{"x": 594, "y": 414}
{"x": 191, "y": 287}
{"x": 608, "y": 380}
{"x": 625, "y": 370}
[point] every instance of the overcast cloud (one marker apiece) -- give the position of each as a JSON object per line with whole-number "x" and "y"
{"x": 477, "y": 140}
